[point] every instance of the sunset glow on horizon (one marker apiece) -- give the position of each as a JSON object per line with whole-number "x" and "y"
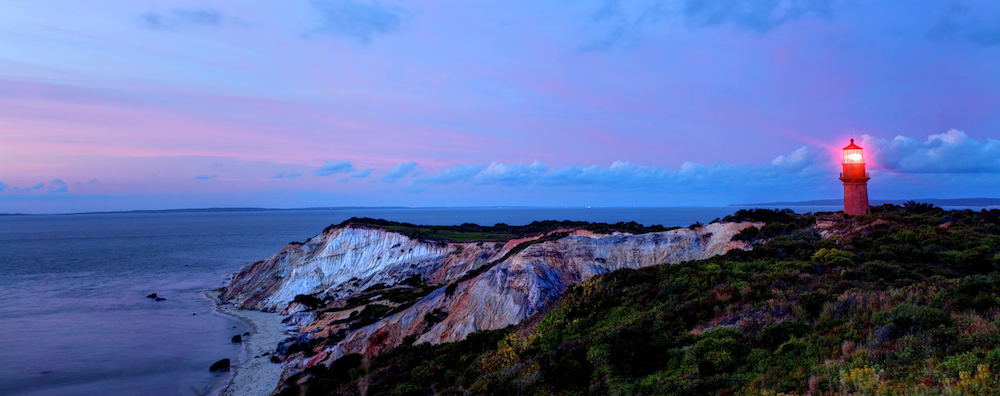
{"x": 315, "y": 103}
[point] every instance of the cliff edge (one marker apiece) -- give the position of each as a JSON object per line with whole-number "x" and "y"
{"x": 366, "y": 289}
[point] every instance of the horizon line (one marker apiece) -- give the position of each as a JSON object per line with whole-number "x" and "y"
{"x": 816, "y": 202}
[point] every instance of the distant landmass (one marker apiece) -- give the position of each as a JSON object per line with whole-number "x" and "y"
{"x": 195, "y": 210}
{"x": 876, "y": 202}
{"x": 818, "y": 202}
{"x": 252, "y": 209}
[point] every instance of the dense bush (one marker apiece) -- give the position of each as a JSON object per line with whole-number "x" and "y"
{"x": 498, "y": 232}
{"x": 902, "y": 301}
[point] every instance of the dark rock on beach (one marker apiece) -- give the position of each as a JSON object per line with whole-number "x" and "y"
{"x": 151, "y": 295}
{"x": 160, "y": 299}
{"x": 237, "y": 339}
{"x": 220, "y": 365}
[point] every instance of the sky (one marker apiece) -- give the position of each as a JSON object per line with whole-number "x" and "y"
{"x": 139, "y": 104}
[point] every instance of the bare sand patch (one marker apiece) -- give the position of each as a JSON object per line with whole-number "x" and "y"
{"x": 257, "y": 375}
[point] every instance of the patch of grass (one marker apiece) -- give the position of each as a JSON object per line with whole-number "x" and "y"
{"x": 469, "y": 232}
{"x": 902, "y": 301}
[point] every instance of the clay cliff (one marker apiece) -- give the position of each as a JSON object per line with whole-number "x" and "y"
{"x": 472, "y": 285}
{"x": 523, "y": 284}
{"x": 343, "y": 261}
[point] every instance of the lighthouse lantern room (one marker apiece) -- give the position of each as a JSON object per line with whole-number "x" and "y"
{"x": 855, "y": 180}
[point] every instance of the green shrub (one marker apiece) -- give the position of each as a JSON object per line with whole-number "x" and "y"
{"x": 871, "y": 308}
{"x": 773, "y": 336}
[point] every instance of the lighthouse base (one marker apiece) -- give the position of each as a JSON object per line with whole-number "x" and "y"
{"x": 856, "y": 197}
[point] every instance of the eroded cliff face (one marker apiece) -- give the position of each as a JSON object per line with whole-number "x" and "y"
{"x": 518, "y": 287}
{"x": 343, "y": 261}
{"x": 511, "y": 290}
{"x": 476, "y": 285}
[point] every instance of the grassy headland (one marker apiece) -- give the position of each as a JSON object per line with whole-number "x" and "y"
{"x": 903, "y": 301}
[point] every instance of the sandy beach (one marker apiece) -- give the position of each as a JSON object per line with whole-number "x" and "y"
{"x": 257, "y": 375}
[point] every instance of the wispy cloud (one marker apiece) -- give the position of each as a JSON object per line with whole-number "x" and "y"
{"x": 455, "y": 173}
{"x": 331, "y": 168}
{"x": 290, "y": 175}
{"x": 401, "y": 170}
{"x": 38, "y": 186}
{"x": 802, "y": 163}
{"x": 617, "y": 22}
{"x": 205, "y": 177}
{"x": 509, "y": 175}
{"x": 950, "y": 152}
{"x": 356, "y": 20}
{"x": 3, "y": 186}
{"x": 961, "y": 21}
{"x": 806, "y": 170}
{"x": 754, "y": 15}
{"x": 57, "y": 186}
{"x": 363, "y": 173}
{"x": 180, "y": 18}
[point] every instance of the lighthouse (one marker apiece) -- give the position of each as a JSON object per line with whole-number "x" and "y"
{"x": 855, "y": 181}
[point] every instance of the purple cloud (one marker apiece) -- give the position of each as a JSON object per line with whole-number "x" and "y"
{"x": 950, "y": 152}
{"x": 618, "y": 23}
{"x": 509, "y": 175}
{"x": 57, "y": 186}
{"x": 623, "y": 174}
{"x": 754, "y": 15}
{"x": 332, "y": 168}
{"x": 357, "y": 20}
{"x": 399, "y": 171}
{"x": 290, "y": 175}
{"x": 178, "y": 18}
{"x": 455, "y": 173}
{"x": 363, "y": 173}
{"x": 978, "y": 26}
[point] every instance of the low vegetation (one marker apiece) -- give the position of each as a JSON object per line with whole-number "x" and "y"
{"x": 903, "y": 301}
{"x": 499, "y": 232}
{"x": 367, "y": 307}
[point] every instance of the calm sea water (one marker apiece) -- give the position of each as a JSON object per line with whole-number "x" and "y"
{"x": 75, "y": 320}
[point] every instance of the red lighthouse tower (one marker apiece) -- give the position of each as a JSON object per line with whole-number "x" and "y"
{"x": 855, "y": 181}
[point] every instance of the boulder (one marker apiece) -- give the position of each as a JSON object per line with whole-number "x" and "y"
{"x": 220, "y": 365}
{"x": 237, "y": 339}
{"x": 151, "y": 295}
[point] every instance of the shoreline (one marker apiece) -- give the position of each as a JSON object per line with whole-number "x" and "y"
{"x": 256, "y": 375}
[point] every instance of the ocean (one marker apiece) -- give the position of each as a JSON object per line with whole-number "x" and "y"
{"x": 75, "y": 319}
